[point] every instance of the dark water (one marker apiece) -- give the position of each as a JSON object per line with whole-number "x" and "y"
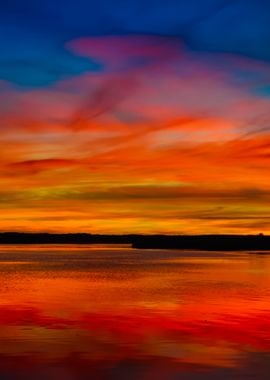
{"x": 69, "y": 312}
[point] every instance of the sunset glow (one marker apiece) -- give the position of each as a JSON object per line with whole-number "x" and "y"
{"x": 133, "y": 132}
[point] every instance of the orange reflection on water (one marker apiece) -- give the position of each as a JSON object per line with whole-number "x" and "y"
{"x": 80, "y": 312}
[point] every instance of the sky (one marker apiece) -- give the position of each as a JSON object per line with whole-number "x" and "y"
{"x": 135, "y": 116}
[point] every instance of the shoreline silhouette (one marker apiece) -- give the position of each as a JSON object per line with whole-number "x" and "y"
{"x": 212, "y": 242}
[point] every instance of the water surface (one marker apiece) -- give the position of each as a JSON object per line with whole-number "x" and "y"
{"x": 95, "y": 312}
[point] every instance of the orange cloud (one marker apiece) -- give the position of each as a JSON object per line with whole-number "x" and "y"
{"x": 159, "y": 137}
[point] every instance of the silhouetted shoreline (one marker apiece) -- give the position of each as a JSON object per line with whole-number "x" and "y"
{"x": 197, "y": 242}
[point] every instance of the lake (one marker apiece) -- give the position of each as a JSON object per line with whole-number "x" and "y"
{"x": 97, "y": 312}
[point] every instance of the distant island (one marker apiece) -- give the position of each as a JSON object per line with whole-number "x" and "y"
{"x": 196, "y": 242}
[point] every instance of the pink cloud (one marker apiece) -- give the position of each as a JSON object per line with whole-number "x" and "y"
{"x": 126, "y": 51}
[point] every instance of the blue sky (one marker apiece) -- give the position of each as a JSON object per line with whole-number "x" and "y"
{"x": 33, "y": 32}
